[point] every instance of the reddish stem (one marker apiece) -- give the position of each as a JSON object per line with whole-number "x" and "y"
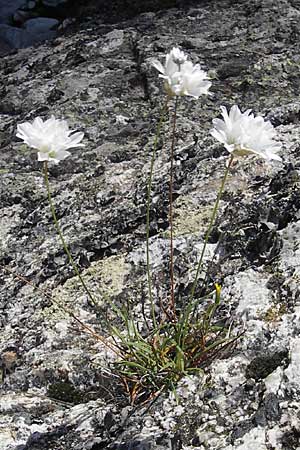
{"x": 172, "y": 296}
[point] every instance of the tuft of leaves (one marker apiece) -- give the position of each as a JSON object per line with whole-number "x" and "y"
{"x": 152, "y": 363}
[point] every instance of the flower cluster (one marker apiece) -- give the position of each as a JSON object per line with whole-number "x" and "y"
{"x": 51, "y": 138}
{"x": 182, "y": 77}
{"x": 242, "y": 134}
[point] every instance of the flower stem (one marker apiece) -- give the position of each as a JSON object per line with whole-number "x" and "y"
{"x": 172, "y": 298}
{"x": 64, "y": 244}
{"x": 149, "y": 276}
{"x": 210, "y": 226}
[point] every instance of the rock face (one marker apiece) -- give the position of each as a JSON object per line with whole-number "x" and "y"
{"x": 57, "y": 393}
{"x": 34, "y": 31}
{"x": 26, "y": 23}
{"x": 7, "y": 9}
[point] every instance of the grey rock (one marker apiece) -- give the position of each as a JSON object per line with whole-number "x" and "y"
{"x": 8, "y": 8}
{"x": 261, "y": 366}
{"x": 53, "y": 3}
{"x": 31, "y": 4}
{"x": 259, "y": 418}
{"x": 16, "y": 37}
{"x": 241, "y": 429}
{"x": 42, "y": 26}
{"x": 272, "y": 407}
{"x": 133, "y": 445}
{"x": 20, "y": 16}
{"x": 5, "y": 48}
{"x": 34, "y": 31}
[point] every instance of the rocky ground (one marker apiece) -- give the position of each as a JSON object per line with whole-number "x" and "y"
{"x": 56, "y": 391}
{"x": 24, "y": 23}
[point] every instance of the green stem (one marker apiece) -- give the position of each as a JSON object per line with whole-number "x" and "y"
{"x": 210, "y": 226}
{"x": 66, "y": 249}
{"x": 172, "y": 297}
{"x": 149, "y": 277}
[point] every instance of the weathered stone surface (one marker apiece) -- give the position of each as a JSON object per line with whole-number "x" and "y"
{"x": 15, "y": 37}
{"x": 34, "y": 31}
{"x": 7, "y": 9}
{"x": 57, "y": 393}
{"x": 42, "y": 25}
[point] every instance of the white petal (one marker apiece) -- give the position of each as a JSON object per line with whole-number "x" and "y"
{"x": 219, "y": 135}
{"x": 171, "y": 66}
{"x": 75, "y": 138}
{"x": 242, "y": 134}
{"x": 43, "y": 156}
{"x": 24, "y": 129}
{"x": 158, "y": 65}
{"x": 52, "y": 138}
{"x": 60, "y": 155}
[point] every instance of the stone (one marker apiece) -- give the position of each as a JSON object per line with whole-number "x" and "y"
{"x": 20, "y": 16}
{"x": 36, "y": 30}
{"x": 272, "y": 407}
{"x": 31, "y": 4}
{"x": 42, "y": 26}
{"x": 261, "y": 366}
{"x": 8, "y": 8}
{"x": 5, "y": 48}
{"x": 16, "y": 37}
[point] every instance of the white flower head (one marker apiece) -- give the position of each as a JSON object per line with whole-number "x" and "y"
{"x": 194, "y": 80}
{"x": 242, "y": 134}
{"x": 178, "y": 56}
{"x": 52, "y": 138}
{"x": 182, "y": 77}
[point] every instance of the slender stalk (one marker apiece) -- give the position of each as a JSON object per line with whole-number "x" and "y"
{"x": 172, "y": 298}
{"x": 210, "y": 226}
{"x": 149, "y": 276}
{"x": 65, "y": 246}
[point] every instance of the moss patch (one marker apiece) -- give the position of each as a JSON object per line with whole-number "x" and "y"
{"x": 65, "y": 392}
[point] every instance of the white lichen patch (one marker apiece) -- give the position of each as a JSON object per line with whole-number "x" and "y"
{"x": 254, "y": 440}
{"x": 273, "y": 381}
{"x": 7, "y": 437}
{"x": 113, "y": 40}
{"x": 293, "y": 370}
{"x": 173, "y": 407}
{"x": 290, "y": 253}
{"x": 14, "y": 428}
{"x": 230, "y": 372}
{"x": 290, "y": 257}
{"x": 254, "y": 298}
{"x": 274, "y": 436}
{"x": 29, "y": 402}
